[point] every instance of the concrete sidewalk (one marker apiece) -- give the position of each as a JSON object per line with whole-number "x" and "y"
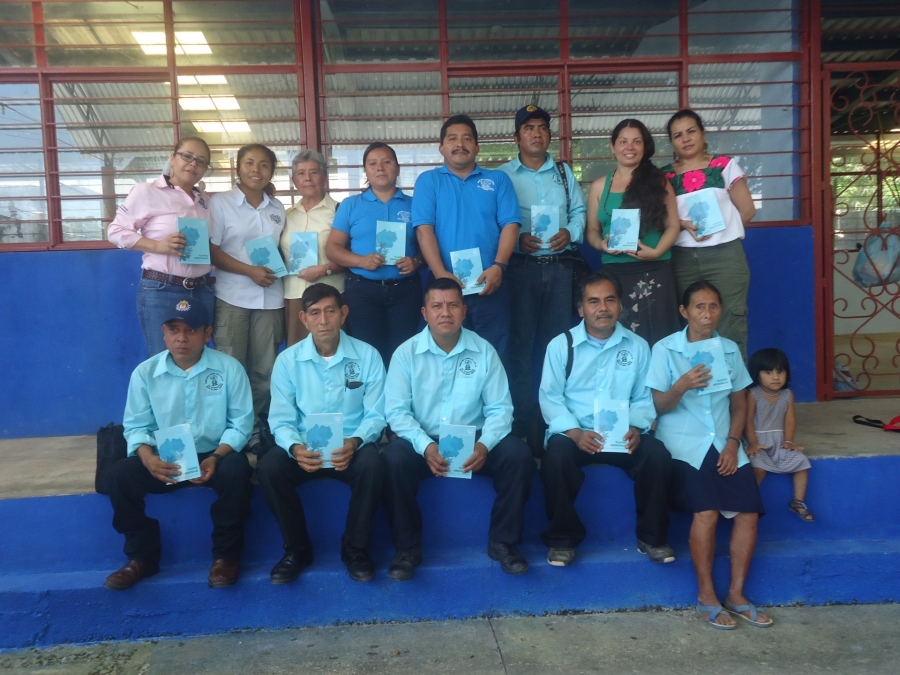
{"x": 848, "y": 640}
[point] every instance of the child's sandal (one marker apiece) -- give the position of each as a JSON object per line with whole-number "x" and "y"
{"x": 800, "y": 509}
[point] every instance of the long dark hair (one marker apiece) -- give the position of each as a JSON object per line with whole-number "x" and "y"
{"x": 647, "y": 190}
{"x": 269, "y": 189}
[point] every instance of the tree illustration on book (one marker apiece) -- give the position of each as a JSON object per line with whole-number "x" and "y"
{"x": 260, "y": 256}
{"x": 618, "y": 230}
{"x": 699, "y": 212}
{"x": 450, "y": 447}
{"x": 384, "y": 241}
{"x": 464, "y": 270}
{"x": 539, "y": 227}
{"x": 317, "y": 438}
{"x": 192, "y": 236}
{"x": 299, "y": 250}
{"x": 605, "y": 421}
{"x": 172, "y": 450}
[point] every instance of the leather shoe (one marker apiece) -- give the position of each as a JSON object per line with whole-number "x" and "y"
{"x": 289, "y": 567}
{"x": 127, "y": 576}
{"x": 359, "y": 565}
{"x": 224, "y": 572}
{"x": 511, "y": 561}
{"x": 403, "y": 566}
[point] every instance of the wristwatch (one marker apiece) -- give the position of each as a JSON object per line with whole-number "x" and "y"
{"x": 501, "y": 265}
{"x": 328, "y": 271}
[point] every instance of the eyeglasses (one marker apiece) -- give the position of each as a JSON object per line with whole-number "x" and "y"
{"x": 188, "y": 158}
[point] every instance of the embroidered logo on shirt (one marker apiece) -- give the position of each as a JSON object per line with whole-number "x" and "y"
{"x": 183, "y": 306}
{"x": 624, "y": 358}
{"x": 467, "y": 367}
{"x": 486, "y": 184}
{"x": 405, "y": 216}
{"x": 557, "y": 180}
{"x": 214, "y": 381}
{"x": 275, "y": 218}
{"x": 352, "y": 371}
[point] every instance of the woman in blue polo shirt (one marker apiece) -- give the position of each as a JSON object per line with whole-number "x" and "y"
{"x": 702, "y": 430}
{"x": 372, "y": 236}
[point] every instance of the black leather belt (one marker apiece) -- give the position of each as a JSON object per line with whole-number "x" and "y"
{"x": 189, "y": 283}
{"x": 554, "y": 259}
{"x": 382, "y": 282}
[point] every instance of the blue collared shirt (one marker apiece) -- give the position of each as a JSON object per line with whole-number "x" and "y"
{"x": 304, "y": 383}
{"x": 214, "y": 398}
{"x": 427, "y": 387}
{"x": 699, "y": 420}
{"x": 358, "y": 217}
{"x": 615, "y": 371}
{"x": 544, "y": 187}
{"x": 466, "y": 213}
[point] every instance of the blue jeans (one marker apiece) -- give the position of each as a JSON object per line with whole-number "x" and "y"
{"x": 384, "y": 316}
{"x": 488, "y": 315}
{"x": 155, "y": 302}
{"x": 541, "y": 307}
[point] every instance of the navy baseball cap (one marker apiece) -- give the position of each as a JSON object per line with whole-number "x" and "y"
{"x": 528, "y": 112}
{"x": 189, "y": 310}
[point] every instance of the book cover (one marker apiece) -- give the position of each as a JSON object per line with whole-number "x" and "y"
{"x": 325, "y": 434}
{"x": 175, "y": 445}
{"x": 467, "y": 268}
{"x": 711, "y": 355}
{"x": 196, "y": 231}
{"x": 390, "y": 240}
{"x": 611, "y": 422}
{"x": 544, "y": 223}
{"x": 304, "y": 251}
{"x": 456, "y": 445}
{"x": 624, "y": 229}
{"x": 704, "y": 212}
{"x": 264, "y": 253}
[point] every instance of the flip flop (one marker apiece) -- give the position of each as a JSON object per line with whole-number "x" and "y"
{"x": 800, "y": 508}
{"x": 714, "y": 611}
{"x": 749, "y": 607}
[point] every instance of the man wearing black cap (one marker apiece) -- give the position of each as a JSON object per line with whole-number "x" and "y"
{"x": 188, "y": 384}
{"x": 540, "y": 271}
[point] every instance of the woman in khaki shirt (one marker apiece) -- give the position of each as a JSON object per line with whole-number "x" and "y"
{"x": 314, "y": 213}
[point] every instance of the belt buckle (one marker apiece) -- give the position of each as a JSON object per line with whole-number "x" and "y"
{"x": 543, "y": 259}
{"x": 189, "y": 284}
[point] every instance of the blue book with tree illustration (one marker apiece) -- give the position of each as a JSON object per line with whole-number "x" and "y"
{"x": 467, "y": 268}
{"x": 544, "y": 223}
{"x": 624, "y": 229}
{"x": 304, "y": 251}
{"x": 196, "y": 231}
{"x": 390, "y": 240}
{"x": 456, "y": 445}
{"x": 175, "y": 445}
{"x": 711, "y": 354}
{"x": 325, "y": 433}
{"x": 264, "y": 253}
{"x": 611, "y": 422}
{"x": 704, "y": 212}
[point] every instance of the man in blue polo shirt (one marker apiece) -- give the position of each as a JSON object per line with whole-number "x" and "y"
{"x": 190, "y": 384}
{"x": 540, "y": 271}
{"x": 461, "y": 206}
{"x": 583, "y": 387}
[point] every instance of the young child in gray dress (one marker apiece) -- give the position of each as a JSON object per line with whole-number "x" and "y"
{"x": 771, "y": 424}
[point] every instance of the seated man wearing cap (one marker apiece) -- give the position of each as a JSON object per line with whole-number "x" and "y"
{"x": 448, "y": 375}
{"x": 552, "y": 216}
{"x": 209, "y": 391}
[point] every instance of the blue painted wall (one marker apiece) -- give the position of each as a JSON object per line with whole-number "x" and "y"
{"x": 69, "y": 335}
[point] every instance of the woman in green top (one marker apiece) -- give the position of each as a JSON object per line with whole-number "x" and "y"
{"x": 650, "y": 304}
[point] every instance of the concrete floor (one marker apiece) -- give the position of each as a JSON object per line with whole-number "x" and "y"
{"x": 851, "y": 639}
{"x": 57, "y": 465}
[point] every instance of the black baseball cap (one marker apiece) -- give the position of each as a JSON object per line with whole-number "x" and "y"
{"x": 528, "y": 112}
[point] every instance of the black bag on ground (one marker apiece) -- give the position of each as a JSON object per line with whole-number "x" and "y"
{"x": 266, "y": 439}
{"x": 111, "y": 447}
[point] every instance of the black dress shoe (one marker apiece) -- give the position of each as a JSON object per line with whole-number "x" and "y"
{"x": 131, "y": 573}
{"x": 359, "y": 565}
{"x": 289, "y": 567}
{"x": 511, "y": 561}
{"x": 403, "y": 566}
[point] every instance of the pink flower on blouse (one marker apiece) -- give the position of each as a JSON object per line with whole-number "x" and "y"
{"x": 693, "y": 180}
{"x": 670, "y": 176}
{"x": 719, "y": 162}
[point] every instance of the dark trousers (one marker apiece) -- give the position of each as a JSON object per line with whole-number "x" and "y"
{"x": 384, "y": 316}
{"x": 509, "y": 464}
{"x": 280, "y": 475}
{"x": 541, "y": 309}
{"x": 131, "y": 481}
{"x": 650, "y": 467}
{"x": 488, "y": 315}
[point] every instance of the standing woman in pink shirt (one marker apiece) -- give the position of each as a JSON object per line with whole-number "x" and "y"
{"x": 148, "y": 221}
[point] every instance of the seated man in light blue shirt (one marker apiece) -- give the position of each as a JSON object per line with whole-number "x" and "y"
{"x": 448, "y": 375}
{"x": 327, "y": 372}
{"x": 186, "y": 384}
{"x": 590, "y": 371}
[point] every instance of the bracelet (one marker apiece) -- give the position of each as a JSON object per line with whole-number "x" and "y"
{"x": 732, "y": 438}
{"x": 217, "y": 457}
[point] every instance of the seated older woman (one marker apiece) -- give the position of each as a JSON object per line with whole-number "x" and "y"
{"x": 314, "y": 213}
{"x": 702, "y": 430}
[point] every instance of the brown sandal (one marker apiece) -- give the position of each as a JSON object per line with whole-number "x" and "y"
{"x": 800, "y": 509}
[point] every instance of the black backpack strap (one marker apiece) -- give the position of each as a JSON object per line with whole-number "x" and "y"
{"x": 565, "y": 181}
{"x": 570, "y": 353}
